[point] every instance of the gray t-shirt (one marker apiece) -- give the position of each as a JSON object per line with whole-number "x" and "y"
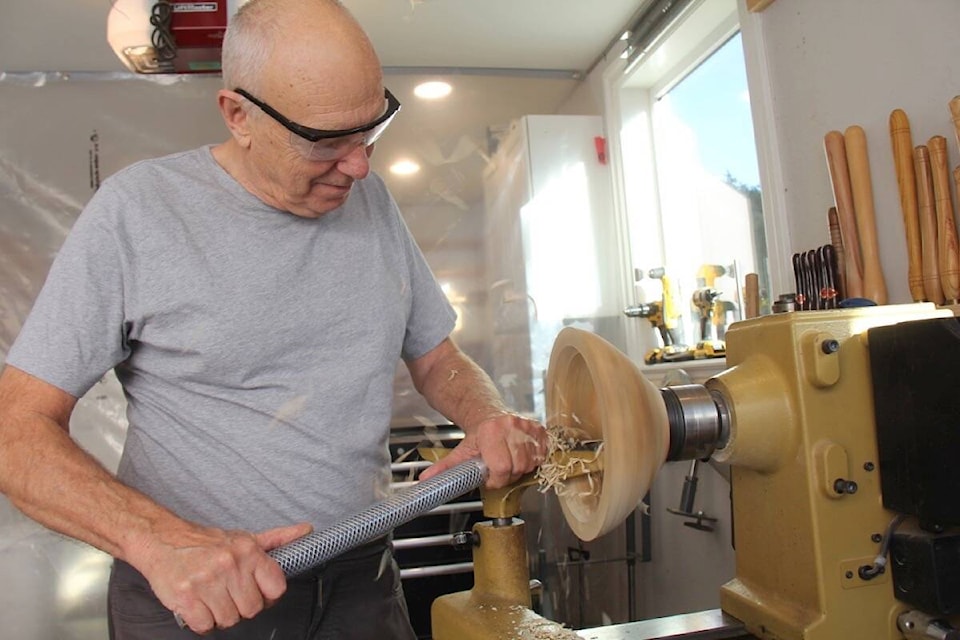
{"x": 257, "y": 349}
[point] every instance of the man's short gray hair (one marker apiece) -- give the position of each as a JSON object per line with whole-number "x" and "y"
{"x": 249, "y": 40}
{"x": 248, "y": 43}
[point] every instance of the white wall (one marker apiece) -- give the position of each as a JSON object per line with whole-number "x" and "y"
{"x": 832, "y": 64}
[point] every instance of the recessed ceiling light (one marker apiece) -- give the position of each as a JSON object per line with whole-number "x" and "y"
{"x": 404, "y": 167}
{"x": 433, "y": 90}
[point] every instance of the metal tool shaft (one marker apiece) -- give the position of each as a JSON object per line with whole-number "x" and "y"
{"x": 314, "y": 549}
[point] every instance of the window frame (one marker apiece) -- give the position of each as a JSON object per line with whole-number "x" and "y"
{"x": 727, "y": 20}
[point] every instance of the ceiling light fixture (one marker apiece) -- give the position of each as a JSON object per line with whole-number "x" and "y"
{"x": 404, "y": 167}
{"x": 433, "y": 90}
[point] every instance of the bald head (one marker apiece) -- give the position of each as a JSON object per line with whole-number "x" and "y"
{"x": 289, "y": 44}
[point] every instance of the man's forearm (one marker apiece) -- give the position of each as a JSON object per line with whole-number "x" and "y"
{"x": 53, "y": 481}
{"x": 459, "y": 389}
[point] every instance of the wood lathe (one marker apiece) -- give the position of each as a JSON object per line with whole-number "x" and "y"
{"x": 839, "y": 427}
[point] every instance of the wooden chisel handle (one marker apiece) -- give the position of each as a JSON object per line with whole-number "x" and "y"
{"x": 956, "y": 180}
{"x": 836, "y": 240}
{"x": 835, "y": 149}
{"x": 874, "y": 284}
{"x": 946, "y": 226}
{"x": 907, "y": 185}
{"x": 751, "y": 296}
{"x": 928, "y": 226}
{"x": 955, "y": 116}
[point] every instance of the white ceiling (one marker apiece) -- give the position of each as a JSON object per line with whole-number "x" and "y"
{"x": 531, "y": 34}
{"x": 58, "y": 35}
{"x": 469, "y": 42}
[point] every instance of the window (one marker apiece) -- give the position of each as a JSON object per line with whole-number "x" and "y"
{"x": 691, "y": 179}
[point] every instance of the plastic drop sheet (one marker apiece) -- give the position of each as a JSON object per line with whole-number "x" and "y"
{"x": 60, "y": 136}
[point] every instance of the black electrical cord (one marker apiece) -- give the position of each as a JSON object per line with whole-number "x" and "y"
{"x": 869, "y": 572}
{"x": 161, "y": 17}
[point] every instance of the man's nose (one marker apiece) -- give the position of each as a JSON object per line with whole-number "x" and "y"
{"x": 355, "y": 164}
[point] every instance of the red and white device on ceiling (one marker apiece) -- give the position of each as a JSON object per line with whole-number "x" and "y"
{"x": 169, "y": 36}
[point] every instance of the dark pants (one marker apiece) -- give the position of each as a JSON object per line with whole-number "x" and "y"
{"x": 343, "y": 600}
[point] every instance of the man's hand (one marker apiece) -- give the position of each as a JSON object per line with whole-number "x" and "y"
{"x": 213, "y": 578}
{"x": 510, "y": 446}
{"x": 454, "y": 385}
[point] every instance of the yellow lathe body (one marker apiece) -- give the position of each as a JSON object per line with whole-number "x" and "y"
{"x": 805, "y": 475}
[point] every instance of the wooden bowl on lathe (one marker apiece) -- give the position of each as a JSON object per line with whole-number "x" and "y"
{"x": 594, "y": 389}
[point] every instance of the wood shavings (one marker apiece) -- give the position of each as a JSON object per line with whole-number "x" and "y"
{"x": 537, "y": 628}
{"x": 453, "y": 374}
{"x": 527, "y": 625}
{"x": 551, "y": 475}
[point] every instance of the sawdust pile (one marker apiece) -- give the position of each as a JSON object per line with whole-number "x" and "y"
{"x": 527, "y": 626}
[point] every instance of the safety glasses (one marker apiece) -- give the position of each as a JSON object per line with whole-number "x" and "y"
{"x": 322, "y": 145}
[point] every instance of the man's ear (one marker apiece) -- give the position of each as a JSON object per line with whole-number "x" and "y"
{"x": 235, "y": 116}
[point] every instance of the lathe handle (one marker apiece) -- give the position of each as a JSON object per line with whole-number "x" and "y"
{"x": 314, "y": 549}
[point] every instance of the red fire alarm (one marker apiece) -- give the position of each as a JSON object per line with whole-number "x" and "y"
{"x": 601, "y": 145}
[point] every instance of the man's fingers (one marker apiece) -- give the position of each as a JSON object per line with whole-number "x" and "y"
{"x": 512, "y": 445}
{"x": 533, "y": 451}
{"x": 435, "y": 468}
{"x": 500, "y": 465}
{"x": 196, "y": 617}
{"x": 273, "y": 538}
{"x": 537, "y": 450}
{"x": 270, "y": 581}
{"x": 224, "y": 609}
{"x": 247, "y": 598}
{"x": 455, "y": 457}
{"x": 215, "y": 578}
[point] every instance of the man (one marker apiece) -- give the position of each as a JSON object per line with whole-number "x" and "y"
{"x": 253, "y": 298}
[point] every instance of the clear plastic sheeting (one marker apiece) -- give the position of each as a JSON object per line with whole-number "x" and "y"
{"x": 60, "y": 136}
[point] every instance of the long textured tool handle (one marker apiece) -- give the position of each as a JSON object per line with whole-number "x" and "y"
{"x": 314, "y": 549}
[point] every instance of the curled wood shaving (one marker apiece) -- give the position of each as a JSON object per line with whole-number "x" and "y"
{"x": 552, "y": 474}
